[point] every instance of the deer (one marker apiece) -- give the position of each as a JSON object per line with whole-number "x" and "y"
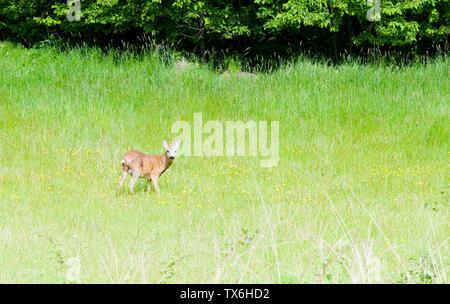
{"x": 148, "y": 166}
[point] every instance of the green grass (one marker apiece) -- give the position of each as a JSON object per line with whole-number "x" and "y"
{"x": 361, "y": 192}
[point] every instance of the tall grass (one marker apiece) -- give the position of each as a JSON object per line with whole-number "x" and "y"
{"x": 360, "y": 194}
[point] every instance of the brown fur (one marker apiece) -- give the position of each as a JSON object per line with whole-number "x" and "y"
{"x": 143, "y": 165}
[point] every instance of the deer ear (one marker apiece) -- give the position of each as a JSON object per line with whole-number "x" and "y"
{"x": 165, "y": 145}
{"x": 177, "y": 144}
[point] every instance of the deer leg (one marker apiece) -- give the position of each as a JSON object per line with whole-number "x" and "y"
{"x": 155, "y": 182}
{"x": 122, "y": 179}
{"x": 134, "y": 178}
{"x": 148, "y": 184}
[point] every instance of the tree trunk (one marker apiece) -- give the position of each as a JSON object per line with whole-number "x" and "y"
{"x": 201, "y": 26}
{"x": 335, "y": 45}
{"x": 350, "y": 35}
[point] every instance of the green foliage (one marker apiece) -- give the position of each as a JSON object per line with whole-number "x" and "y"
{"x": 17, "y": 18}
{"x": 398, "y": 22}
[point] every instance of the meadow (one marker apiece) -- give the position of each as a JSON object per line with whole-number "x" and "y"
{"x": 360, "y": 193}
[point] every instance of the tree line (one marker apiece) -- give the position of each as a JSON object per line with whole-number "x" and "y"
{"x": 331, "y": 27}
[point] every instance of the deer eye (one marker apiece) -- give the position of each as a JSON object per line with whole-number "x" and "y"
{"x": 167, "y": 151}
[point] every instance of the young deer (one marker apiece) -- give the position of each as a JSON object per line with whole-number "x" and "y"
{"x": 147, "y": 166}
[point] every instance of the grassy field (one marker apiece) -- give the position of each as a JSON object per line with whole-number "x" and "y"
{"x": 360, "y": 194}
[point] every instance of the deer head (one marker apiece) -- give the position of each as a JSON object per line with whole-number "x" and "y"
{"x": 171, "y": 150}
